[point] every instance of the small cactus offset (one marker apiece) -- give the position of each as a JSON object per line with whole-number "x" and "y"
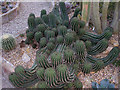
{"x": 43, "y": 12}
{"x": 56, "y": 58}
{"x": 8, "y": 42}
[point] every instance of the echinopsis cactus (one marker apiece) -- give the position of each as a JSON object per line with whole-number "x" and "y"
{"x": 60, "y": 39}
{"x": 43, "y": 12}
{"x": 62, "y": 30}
{"x": 87, "y": 67}
{"x": 31, "y": 23}
{"x": 41, "y": 28}
{"x": 8, "y": 42}
{"x": 69, "y": 38}
{"x": 40, "y": 73}
{"x": 38, "y": 36}
{"x": 43, "y": 42}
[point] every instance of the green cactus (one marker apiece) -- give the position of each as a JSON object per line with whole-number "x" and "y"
{"x": 52, "y": 20}
{"x": 87, "y": 67}
{"x": 42, "y": 85}
{"x": 80, "y": 49}
{"x": 40, "y": 73}
{"x": 32, "y": 15}
{"x": 52, "y": 40}
{"x": 62, "y": 30}
{"x": 8, "y": 42}
{"x": 63, "y": 11}
{"x": 76, "y": 12}
{"x": 31, "y": 23}
{"x": 38, "y": 36}
{"x": 56, "y": 58}
{"x": 60, "y": 39}
{"x": 45, "y": 18}
{"x": 50, "y": 46}
{"x": 66, "y": 23}
{"x": 98, "y": 65}
{"x": 78, "y": 84}
{"x": 42, "y": 61}
{"x": 69, "y": 38}
{"x": 81, "y": 32}
{"x": 43, "y": 12}
{"x": 38, "y": 21}
{"x": 43, "y": 42}
{"x": 88, "y": 45}
{"x": 49, "y": 34}
{"x": 30, "y": 35}
{"x": 82, "y": 24}
{"x": 41, "y": 28}
{"x": 69, "y": 56}
{"x": 55, "y": 30}
{"x": 27, "y": 41}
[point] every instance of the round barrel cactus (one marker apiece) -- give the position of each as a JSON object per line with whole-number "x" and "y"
{"x": 43, "y": 42}
{"x": 69, "y": 38}
{"x": 41, "y": 28}
{"x": 62, "y": 30}
{"x": 50, "y": 46}
{"x": 52, "y": 40}
{"x": 8, "y": 42}
{"x": 38, "y": 36}
{"x": 88, "y": 44}
{"x": 40, "y": 73}
{"x": 87, "y": 67}
{"x": 60, "y": 39}
{"x": 42, "y": 85}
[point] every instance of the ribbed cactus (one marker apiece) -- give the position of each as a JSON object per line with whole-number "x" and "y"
{"x": 41, "y": 28}
{"x": 42, "y": 85}
{"x": 62, "y": 30}
{"x": 43, "y": 42}
{"x": 98, "y": 65}
{"x": 32, "y": 15}
{"x": 56, "y": 58}
{"x": 8, "y": 42}
{"x": 81, "y": 32}
{"x": 75, "y": 24}
{"x": 55, "y": 30}
{"x": 30, "y": 35}
{"x": 69, "y": 56}
{"x": 52, "y": 20}
{"x": 78, "y": 84}
{"x": 50, "y": 46}
{"x": 63, "y": 10}
{"x": 69, "y": 38}
{"x": 60, "y": 39}
{"x": 66, "y": 23}
{"x": 38, "y": 21}
{"x": 45, "y": 18}
{"x": 63, "y": 74}
{"x": 50, "y": 76}
{"x": 80, "y": 49}
{"x": 43, "y": 12}
{"x": 87, "y": 67}
{"x": 40, "y": 73}
{"x": 38, "y": 36}
{"x": 31, "y": 23}
{"x": 82, "y": 24}
{"x": 88, "y": 45}
{"x": 49, "y": 34}
{"x": 42, "y": 61}
{"x": 52, "y": 40}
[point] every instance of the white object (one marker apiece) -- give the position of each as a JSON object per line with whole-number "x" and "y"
{"x": 25, "y": 58}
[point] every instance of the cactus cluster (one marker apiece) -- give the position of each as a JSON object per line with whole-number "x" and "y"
{"x": 64, "y": 49}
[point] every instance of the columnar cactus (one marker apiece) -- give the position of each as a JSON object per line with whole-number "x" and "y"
{"x": 76, "y": 12}
{"x": 87, "y": 67}
{"x": 43, "y": 12}
{"x": 69, "y": 55}
{"x": 38, "y": 21}
{"x": 8, "y": 42}
{"x": 52, "y": 20}
{"x": 98, "y": 65}
{"x": 32, "y": 15}
{"x": 45, "y": 18}
{"x": 56, "y": 58}
{"x": 38, "y": 36}
{"x": 43, "y": 42}
{"x": 42, "y": 61}
{"x": 62, "y": 30}
{"x": 31, "y": 23}
{"x": 40, "y": 73}
{"x": 60, "y": 39}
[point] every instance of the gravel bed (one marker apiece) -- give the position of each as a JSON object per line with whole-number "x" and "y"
{"x": 19, "y": 23}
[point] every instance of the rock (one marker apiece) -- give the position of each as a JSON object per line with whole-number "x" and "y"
{"x": 25, "y": 57}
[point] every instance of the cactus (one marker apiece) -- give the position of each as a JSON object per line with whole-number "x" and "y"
{"x": 43, "y": 12}
{"x": 55, "y": 30}
{"x": 103, "y": 84}
{"x": 69, "y": 38}
{"x": 99, "y": 47}
{"x": 80, "y": 49}
{"x": 62, "y": 30}
{"x": 30, "y": 35}
{"x": 8, "y": 42}
{"x": 82, "y": 24}
{"x": 63, "y": 74}
{"x": 52, "y": 20}
{"x": 87, "y": 67}
{"x": 34, "y": 45}
{"x": 42, "y": 85}
{"x": 63, "y": 10}
{"x": 81, "y": 32}
{"x": 38, "y": 21}
{"x": 43, "y": 42}
{"x": 78, "y": 84}
{"x": 38, "y": 36}
{"x": 31, "y": 23}
{"x": 27, "y": 41}
{"x": 69, "y": 56}
{"x": 52, "y": 40}
{"x": 98, "y": 65}
{"x": 32, "y": 15}
{"x": 50, "y": 46}
{"x": 88, "y": 45}
{"x": 40, "y": 73}
{"x": 60, "y": 39}
{"x": 42, "y": 61}
{"x": 41, "y": 28}
{"x": 49, "y": 34}
{"x": 56, "y": 58}
{"x": 45, "y": 18}
{"x": 76, "y": 12}
{"x": 66, "y": 23}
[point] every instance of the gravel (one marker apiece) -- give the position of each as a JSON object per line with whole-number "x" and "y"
{"x": 19, "y": 23}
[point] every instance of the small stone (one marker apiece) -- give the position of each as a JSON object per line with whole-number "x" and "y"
{"x": 25, "y": 58}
